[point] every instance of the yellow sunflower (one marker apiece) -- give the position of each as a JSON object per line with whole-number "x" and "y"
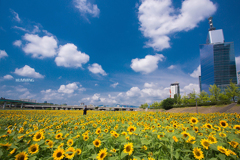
{"x": 58, "y": 154}
{"x": 38, "y": 136}
{"x": 70, "y": 152}
{"x": 223, "y": 123}
{"x": 198, "y": 153}
{"x": 85, "y": 137}
{"x": 128, "y": 148}
{"x": 205, "y": 143}
{"x": 34, "y": 148}
{"x": 131, "y": 129}
{"x": 102, "y": 154}
{"x": 212, "y": 139}
{"x": 208, "y": 125}
{"x": 194, "y": 120}
{"x": 59, "y": 136}
{"x": 50, "y": 144}
{"x": 175, "y": 138}
{"x": 13, "y": 151}
{"x": 233, "y": 144}
{"x": 78, "y": 151}
{"x": 98, "y": 131}
{"x": 223, "y": 150}
{"x": 70, "y": 142}
{"x": 106, "y": 130}
{"x": 237, "y": 127}
{"x": 185, "y": 134}
{"x": 221, "y": 134}
{"x": 97, "y": 143}
{"x": 21, "y": 156}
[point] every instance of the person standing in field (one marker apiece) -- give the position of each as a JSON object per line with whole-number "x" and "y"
{"x": 85, "y": 110}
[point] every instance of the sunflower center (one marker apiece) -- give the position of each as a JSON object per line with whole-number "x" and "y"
{"x": 128, "y": 148}
{"x": 185, "y": 135}
{"x": 38, "y": 136}
{"x": 33, "y": 149}
{"x": 223, "y": 124}
{"x": 193, "y": 120}
{"x": 21, "y": 157}
{"x": 97, "y": 143}
{"x": 197, "y": 153}
{"x": 206, "y": 143}
{"x": 131, "y": 129}
{"x": 59, "y": 154}
{"x": 102, "y": 155}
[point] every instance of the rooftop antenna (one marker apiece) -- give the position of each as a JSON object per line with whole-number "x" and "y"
{"x": 211, "y": 24}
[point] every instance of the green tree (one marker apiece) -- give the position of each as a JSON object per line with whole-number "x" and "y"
{"x": 155, "y": 105}
{"x": 144, "y": 106}
{"x": 185, "y": 99}
{"x": 179, "y": 100}
{"x": 168, "y": 103}
{"x": 203, "y": 96}
{"x": 232, "y": 90}
{"x": 215, "y": 92}
{"x": 192, "y": 97}
{"x": 175, "y": 98}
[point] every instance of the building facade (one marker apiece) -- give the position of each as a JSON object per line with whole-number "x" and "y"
{"x": 238, "y": 76}
{"x": 217, "y": 60}
{"x": 174, "y": 89}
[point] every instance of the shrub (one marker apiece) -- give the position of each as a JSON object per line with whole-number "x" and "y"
{"x": 168, "y": 103}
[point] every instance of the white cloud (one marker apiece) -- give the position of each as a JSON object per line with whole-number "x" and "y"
{"x": 158, "y": 19}
{"x": 40, "y": 47}
{"x": 149, "y": 85}
{"x": 172, "y": 67}
{"x": 96, "y": 84}
{"x": 237, "y": 60}
{"x": 69, "y": 88}
{"x": 133, "y": 92}
{"x": 28, "y": 72}
{"x": 3, "y": 53}
{"x": 17, "y": 43}
{"x": 50, "y": 94}
{"x": 36, "y": 29}
{"x": 86, "y": 7}
{"x": 96, "y": 97}
{"x": 16, "y": 16}
{"x": 96, "y": 68}
{"x": 189, "y": 88}
{"x": 8, "y": 77}
{"x": 114, "y": 85}
{"x": 147, "y": 64}
{"x": 196, "y": 73}
{"x": 20, "y": 28}
{"x": 69, "y": 56}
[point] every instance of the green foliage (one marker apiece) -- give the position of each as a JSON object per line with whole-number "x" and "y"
{"x": 203, "y": 97}
{"x": 232, "y": 90}
{"x": 168, "y": 103}
{"x": 215, "y": 92}
{"x": 144, "y": 106}
{"x": 156, "y": 105}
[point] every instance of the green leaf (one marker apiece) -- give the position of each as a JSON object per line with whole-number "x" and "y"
{"x": 13, "y": 146}
{"x": 177, "y": 155}
{"x": 222, "y": 156}
{"x": 145, "y": 141}
{"x": 123, "y": 155}
{"x": 112, "y": 158}
{"x": 138, "y": 158}
{"x": 90, "y": 146}
{"x": 33, "y": 158}
{"x": 94, "y": 156}
{"x": 1, "y": 153}
{"x": 41, "y": 142}
{"x": 213, "y": 159}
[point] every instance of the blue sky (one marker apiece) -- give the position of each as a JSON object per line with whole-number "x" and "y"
{"x": 107, "y": 52}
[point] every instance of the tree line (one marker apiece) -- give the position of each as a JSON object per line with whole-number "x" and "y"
{"x": 216, "y": 97}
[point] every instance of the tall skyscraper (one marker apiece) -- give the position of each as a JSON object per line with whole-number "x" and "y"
{"x": 217, "y": 60}
{"x": 174, "y": 89}
{"x": 238, "y": 76}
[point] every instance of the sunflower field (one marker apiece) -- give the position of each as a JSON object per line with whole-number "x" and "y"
{"x": 109, "y": 135}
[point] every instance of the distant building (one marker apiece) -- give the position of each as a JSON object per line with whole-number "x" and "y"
{"x": 174, "y": 89}
{"x": 45, "y": 101}
{"x": 217, "y": 60}
{"x": 238, "y": 75}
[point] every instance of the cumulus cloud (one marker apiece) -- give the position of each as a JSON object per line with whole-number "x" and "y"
{"x": 189, "y": 88}
{"x": 3, "y": 53}
{"x": 114, "y": 85}
{"x": 69, "y": 88}
{"x": 8, "y": 77}
{"x": 17, "y": 43}
{"x": 40, "y": 47}
{"x": 96, "y": 68}
{"x": 50, "y": 94}
{"x": 27, "y": 71}
{"x": 196, "y": 73}
{"x": 172, "y": 67}
{"x": 158, "y": 19}
{"x": 149, "y": 85}
{"x": 16, "y": 16}
{"x": 133, "y": 92}
{"x": 69, "y": 56}
{"x": 85, "y": 7}
{"x": 147, "y": 64}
